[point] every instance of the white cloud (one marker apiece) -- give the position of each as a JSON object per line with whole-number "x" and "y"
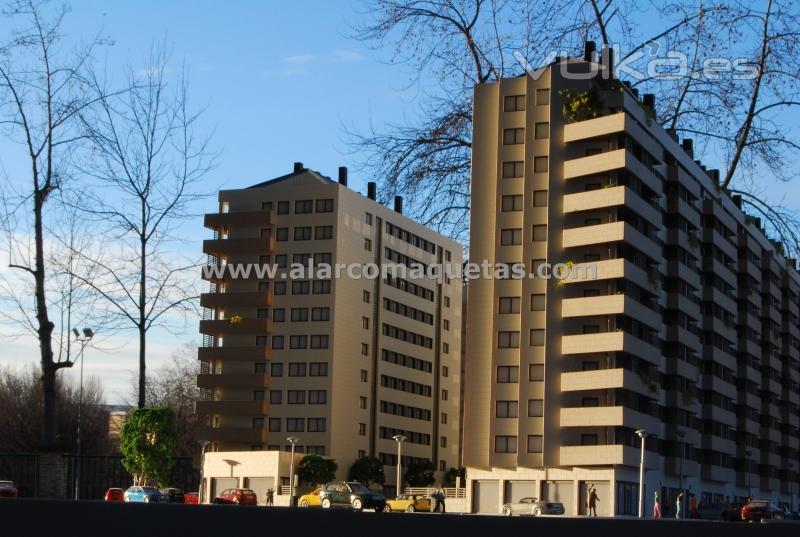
{"x": 298, "y": 59}
{"x": 340, "y": 55}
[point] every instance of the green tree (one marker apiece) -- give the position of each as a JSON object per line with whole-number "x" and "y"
{"x": 449, "y": 479}
{"x": 420, "y": 474}
{"x": 314, "y": 470}
{"x": 367, "y": 470}
{"x": 147, "y": 441}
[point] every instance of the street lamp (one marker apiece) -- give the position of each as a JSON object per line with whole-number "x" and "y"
{"x": 200, "y": 492}
{"x": 87, "y": 336}
{"x": 399, "y": 438}
{"x": 292, "y": 440}
{"x": 680, "y": 472}
{"x": 748, "y": 453}
{"x": 642, "y": 434}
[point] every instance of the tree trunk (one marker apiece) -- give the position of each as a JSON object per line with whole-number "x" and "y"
{"x": 142, "y": 317}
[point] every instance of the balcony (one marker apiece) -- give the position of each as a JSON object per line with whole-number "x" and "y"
{"x": 225, "y": 247}
{"x": 599, "y": 455}
{"x": 610, "y": 161}
{"x": 610, "y": 269}
{"x": 595, "y": 128}
{"x": 719, "y": 474}
{"x": 237, "y": 408}
{"x": 612, "y": 232}
{"x": 604, "y": 379}
{"x": 607, "y": 416}
{"x": 240, "y": 219}
{"x": 610, "y": 342}
{"x": 225, "y": 380}
{"x": 244, "y": 326}
{"x": 610, "y": 197}
{"x": 234, "y": 354}
{"x": 609, "y": 305}
{"x": 235, "y": 300}
{"x": 231, "y": 434}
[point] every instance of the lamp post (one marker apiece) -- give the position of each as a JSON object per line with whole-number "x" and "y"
{"x": 87, "y": 336}
{"x": 791, "y": 485}
{"x": 642, "y": 434}
{"x": 399, "y": 438}
{"x": 200, "y": 492}
{"x": 680, "y": 473}
{"x": 292, "y": 440}
{"x": 748, "y": 453}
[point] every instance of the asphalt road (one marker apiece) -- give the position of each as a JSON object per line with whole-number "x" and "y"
{"x": 27, "y": 517}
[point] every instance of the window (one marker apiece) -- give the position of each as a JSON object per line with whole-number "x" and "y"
{"x": 540, "y": 232}
{"x": 513, "y": 169}
{"x": 537, "y": 337}
{"x": 275, "y": 397}
{"x": 303, "y": 206}
{"x": 509, "y": 304}
{"x": 316, "y": 450}
{"x": 588, "y": 439}
{"x": 536, "y": 264}
{"x": 591, "y": 329}
{"x": 301, "y": 259}
{"x": 536, "y": 372}
{"x": 275, "y": 425}
{"x": 261, "y": 341}
{"x": 445, "y": 371}
{"x": 507, "y": 374}
{"x": 446, "y": 325}
{"x": 368, "y": 219}
{"x": 540, "y": 164}
{"x": 365, "y": 323}
{"x": 260, "y": 368}
{"x": 505, "y": 444}
{"x": 323, "y": 232}
{"x": 540, "y": 198}
{"x": 318, "y": 369}
{"x": 319, "y": 341}
{"x": 297, "y": 369}
{"x": 442, "y": 441}
{"x": 535, "y": 408}
{"x": 320, "y": 314}
{"x": 276, "y": 369}
{"x": 316, "y": 425}
{"x": 298, "y": 342}
{"x": 282, "y": 260}
{"x": 296, "y": 397}
{"x": 510, "y": 237}
{"x": 445, "y": 394}
{"x": 447, "y": 302}
{"x": 537, "y": 302}
{"x": 262, "y": 313}
{"x": 592, "y": 221}
{"x": 514, "y": 103}
{"x": 283, "y": 208}
{"x": 445, "y": 348}
{"x": 511, "y": 203}
{"x": 590, "y": 401}
{"x": 590, "y": 366}
{"x": 278, "y": 315}
{"x": 263, "y": 287}
{"x": 508, "y": 340}
{"x": 325, "y": 205}
{"x": 542, "y": 131}
{"x": 282, "y": 234}
{"x": 277, "y": 342}
{"x": 364, "y": 375}
{"x": 258, "y": 395}
{"x": 365, "y": 297}
{"x": 322, "y": 287}
{"x": 364, "y": 349}
{"x": 317, "y": 397}
{"x": 264, "y": 259}
{"x": 362, "y": 402}
{"x": 535, "y": 443}
{"x": 324, "y": 258}
{"x": 368, "y": 245}
{"x": 302, "y": 233}
{"x": 447, "y": 256}
{"x": 266, "y": 233}
{"x": 295, "y": 425}
{"x": 506, "y": 409}
{"x": 299, "y": 315}
{"x": 266, "y": 205}
{"x": 513, "y": 136}
{"x": 443, "y": 418}
{"x": 280, "y": 288}
{"x": 543, "y": 96}
{"x": 591, "y": 151}
{"x": 362, "y": 429}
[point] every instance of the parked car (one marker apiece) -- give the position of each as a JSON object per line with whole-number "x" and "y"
{"x": 761, "y": 510}
{"x": 355, "y": 495}
{"x": 533, "y": 506}
{"x": 171, "y": 495}
{"x": 192, "y": 498}
{"x": 236, "y": 497}
{"x": 408, "y": 503}
{"x": 114, "y": 495}
{"x": 732, "y": 512}
{"x": 142, "y": 495}
{"x": 311, "y": 499}
{"x": 8, "y": 490}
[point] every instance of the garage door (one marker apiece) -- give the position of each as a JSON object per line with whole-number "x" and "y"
{"x": 260, "y": 485}
{"x": 218, "y": 484}
{"x": 516, "y": 490}
{"x": 485, "y": 496}
{"x": 560, "y": 491}
{"x": 603, "y": 497}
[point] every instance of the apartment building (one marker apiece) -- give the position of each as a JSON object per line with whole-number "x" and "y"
{"x": 687, "y": 326}
{"x": 342, "y": 364}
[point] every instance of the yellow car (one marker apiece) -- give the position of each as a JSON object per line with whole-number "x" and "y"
{"x": 408, "y": 503}
{"x": 310, "y": 500}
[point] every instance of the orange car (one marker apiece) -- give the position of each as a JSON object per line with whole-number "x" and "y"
{"x": 114, "y": 495}
{"x": 237, "y": 497}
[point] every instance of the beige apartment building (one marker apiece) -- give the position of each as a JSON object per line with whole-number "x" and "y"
{"x": 342, "y": 364}
{"x": 687, "y": 328}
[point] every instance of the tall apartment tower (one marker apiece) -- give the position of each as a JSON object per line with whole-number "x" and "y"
{"x": 685, "y": 324}
{"x": 343, "y": 364}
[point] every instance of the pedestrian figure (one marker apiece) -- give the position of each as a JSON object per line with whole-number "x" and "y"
{"x": 270, "y": 494}
{"x": 657, "y": 505}
{"x": 442, "y": 497}
{"x": 678, "y": 502}
{"x": 593, "y": 499}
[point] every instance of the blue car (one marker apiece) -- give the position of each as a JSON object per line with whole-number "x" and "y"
{"x": 143, "y": 495}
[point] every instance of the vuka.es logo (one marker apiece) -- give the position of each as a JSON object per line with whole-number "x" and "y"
{"x": 672, "y": 65}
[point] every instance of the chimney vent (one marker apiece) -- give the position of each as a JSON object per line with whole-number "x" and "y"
{"x": 758, "y": 223}
{"x": 737, "y": 200}
{"x": 343, "y": 175}
{"x": 607, "y": 62}
{"x": 649, "y": 101}
{"x": 688, "y": 146}
{"x": 588, "y": 51}
{"x": 371, "y": 188}
{"x": 398, "y": 204}
{"x": 298, "y": 167}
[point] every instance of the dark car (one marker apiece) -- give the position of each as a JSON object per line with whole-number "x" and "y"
{"x": 114, "y": 495}
{"x": 349, "y": 494}
{"x": 7, "y": 489}
{"x": 171, "y": 495}
{"x": 731, "y": 512}
{"x": 761, "y": 510}
{"x": 236, "y": 497}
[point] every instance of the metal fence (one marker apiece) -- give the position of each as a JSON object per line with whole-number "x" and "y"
{"x": 449, "y": 492}
{"x": 23, "y": 470}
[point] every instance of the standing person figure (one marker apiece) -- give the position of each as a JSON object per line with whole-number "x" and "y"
{"x": 657, "y": 505}
{"x": 678, "y": 504}
{"x": 442, "y": 497}
{"x": 436, "y": 501}
{"x": 270, "y": 498}
{"x": 593, "y": 499}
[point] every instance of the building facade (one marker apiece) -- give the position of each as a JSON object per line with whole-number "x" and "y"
{"x": 683, "y": 320}
{"x": 343, "y": 364}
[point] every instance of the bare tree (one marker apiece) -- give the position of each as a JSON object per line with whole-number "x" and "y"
{"x": 146, "y": 164}
{"x": 41, "y": 94}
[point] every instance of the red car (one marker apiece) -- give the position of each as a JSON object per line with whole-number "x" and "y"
{"x": 237, "y": 497}
{"x": 7, "y": 489}
{"x": 761, "y": 510}
{"x": 114, "y": 495}
{"x": 191, "y": 498}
